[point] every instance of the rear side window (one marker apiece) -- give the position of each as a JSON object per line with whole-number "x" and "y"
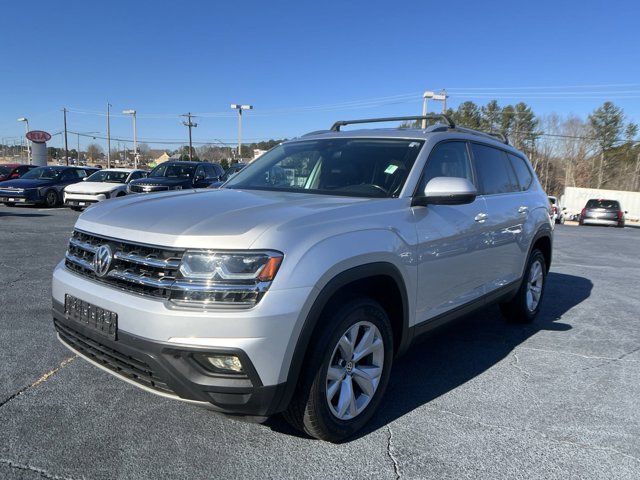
{"x": 449, "y": 159}
{"x": 608, "y": 204}
{"x": 522, "y": 172}
{"x": 495, "y": 174}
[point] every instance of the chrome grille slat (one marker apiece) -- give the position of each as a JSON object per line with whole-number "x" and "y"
{"x": 172, "y": 263}
{"x": 137, "y": 268}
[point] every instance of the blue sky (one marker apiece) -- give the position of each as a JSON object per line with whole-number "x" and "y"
{"x": 166, "y": 58}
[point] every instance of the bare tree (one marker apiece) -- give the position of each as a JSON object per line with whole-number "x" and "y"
{"x": 93, "y": 151}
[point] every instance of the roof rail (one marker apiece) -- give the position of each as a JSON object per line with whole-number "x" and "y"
{"x": 495, "y": 135}
{"x": 336, "y": 126}
{"x": 315, "y": 132}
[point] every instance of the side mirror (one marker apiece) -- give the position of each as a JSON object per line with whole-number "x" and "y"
{"x": 446, "y": 191}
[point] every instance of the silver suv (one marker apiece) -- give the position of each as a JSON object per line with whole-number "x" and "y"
{"x": 294, "y": 286}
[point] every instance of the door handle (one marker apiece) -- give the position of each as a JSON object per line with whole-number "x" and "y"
{"x": 523, "y": 210}
{"x": 481, "y": 217}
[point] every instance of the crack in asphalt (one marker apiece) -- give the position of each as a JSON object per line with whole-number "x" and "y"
{"x": 40, "y": 380}
{"x": 396, "y": 465}
{"x": 40, "y": 471}
{"x": 516, "y": 364}
{"x": 590, "y": 357}
{"x": 537, "y": 432}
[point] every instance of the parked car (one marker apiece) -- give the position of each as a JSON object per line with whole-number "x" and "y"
{"x": 228, "y": 173}
{"x": 295, "y": 286}
{"x": 11, "y": 171}
{"x": 41, "y": 185}
{"x": 603, "y": 212}
{"x": 103, "y": 184}
{"x": 178, "y": 176}
{"x": 557, "y": 214}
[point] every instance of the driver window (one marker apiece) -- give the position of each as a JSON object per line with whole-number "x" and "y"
{"x": 200, "y": 172}
{"x": 448, "y": 159}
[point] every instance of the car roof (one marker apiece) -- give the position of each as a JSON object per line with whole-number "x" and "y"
{"x": 126, "y": 170}
{"x": 13, "y": 165}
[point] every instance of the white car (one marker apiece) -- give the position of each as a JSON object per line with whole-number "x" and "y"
{"x": 107, "y": 183}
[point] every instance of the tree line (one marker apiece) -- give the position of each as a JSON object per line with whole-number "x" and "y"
{"x": 600, "y": 151}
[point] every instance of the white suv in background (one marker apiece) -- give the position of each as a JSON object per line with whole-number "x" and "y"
{"x": 295, "y": 286}
{"x": 103, "y": 184}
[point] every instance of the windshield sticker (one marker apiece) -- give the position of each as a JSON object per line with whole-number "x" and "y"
{"x": 391, "y": 169}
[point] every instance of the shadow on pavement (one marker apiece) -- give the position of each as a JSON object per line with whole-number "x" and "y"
{"x": 455, "y": 354}
{"x": 16, "y": 214}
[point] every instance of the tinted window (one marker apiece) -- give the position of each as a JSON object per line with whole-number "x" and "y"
{"x": 173, "y": 170}
{"x": 136, "y": 175}
{"x": 43, "y": 173}
{"x": 337, "y": 166}
{"x": 608, "y": 204}
{"x": 495, "y": 174}
{"x": 522, "y": 171}
{"x": 200, "y": 172}
{"x": 449, "y": 159}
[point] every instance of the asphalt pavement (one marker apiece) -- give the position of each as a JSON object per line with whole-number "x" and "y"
{"x": 559, "y": 398}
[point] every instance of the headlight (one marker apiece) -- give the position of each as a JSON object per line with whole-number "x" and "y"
{"x": 224, "y": 278}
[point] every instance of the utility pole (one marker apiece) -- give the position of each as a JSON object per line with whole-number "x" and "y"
{"x": 190, "y": 125}
{"x": 66, "y": 145}
{"x": 444, "y": 95}
{"x": 108, "y": 135}
{"x": 240, "y": 108}
{"x": 26, "y": 130}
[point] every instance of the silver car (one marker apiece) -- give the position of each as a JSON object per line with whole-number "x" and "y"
{"x": 295, "y": 286}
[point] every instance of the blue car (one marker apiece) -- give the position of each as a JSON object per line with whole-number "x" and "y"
{"x": 42, "y": 185}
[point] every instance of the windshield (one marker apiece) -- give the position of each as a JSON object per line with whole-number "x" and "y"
{"x": 5, "y": 170}
{"x": 173, "y": 171}
{"x": 43, "y": 173}
{"x": 363, "y": 167}
{"x": 108, "y": 176}
{"x": 607, "y": 204}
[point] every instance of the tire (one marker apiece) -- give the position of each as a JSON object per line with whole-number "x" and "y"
{"x": 525, "y": 305}
{"x": 51, "y": 199}
{"x": 9, "y": 204}
{"x": 76, "y": 209}
{"x": 312, "y": 409}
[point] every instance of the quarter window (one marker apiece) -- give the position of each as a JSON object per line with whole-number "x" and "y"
{"x": 495, "y": 174}
{"x": 522, "y": 171}
{"x": 449, "y": 159}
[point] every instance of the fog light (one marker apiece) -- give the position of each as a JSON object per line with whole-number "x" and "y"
{"x": 228, "y": 363}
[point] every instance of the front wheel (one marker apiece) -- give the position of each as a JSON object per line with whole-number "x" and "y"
{"x": 345, "y": 374}
{"x": 525, "y": 305}
{"x": 51, "y": 199}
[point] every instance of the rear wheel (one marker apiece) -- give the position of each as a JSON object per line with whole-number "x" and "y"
{"x": 524, "y": 306}
{"x": 345, "y": 374}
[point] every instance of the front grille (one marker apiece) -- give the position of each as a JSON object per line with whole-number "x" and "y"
{"x": 145, "y": 188}
{"x": 137, "y": 268}
{"x": 124, "y": 365}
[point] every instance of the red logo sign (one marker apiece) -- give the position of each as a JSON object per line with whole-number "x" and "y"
{"x": 38, "y": 136}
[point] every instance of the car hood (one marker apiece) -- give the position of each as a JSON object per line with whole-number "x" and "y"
{"x": 206, "y": 218}
{"x": 92, "y": 187}
{"x": 170, "y": 182}
{"x": 27, "y": 183}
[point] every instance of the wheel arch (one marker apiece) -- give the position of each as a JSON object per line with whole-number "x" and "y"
{"x": 383, "y": 278}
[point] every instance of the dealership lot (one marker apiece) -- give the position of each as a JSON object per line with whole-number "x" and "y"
{"x": 482, "y": 399}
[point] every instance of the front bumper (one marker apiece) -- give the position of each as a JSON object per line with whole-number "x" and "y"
{"x": 83, "y": 200}
{"x": 163, "y": 340}
{"x": 25, "y": 197}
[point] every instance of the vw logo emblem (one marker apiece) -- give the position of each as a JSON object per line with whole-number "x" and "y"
{"x": 102, "y": 260}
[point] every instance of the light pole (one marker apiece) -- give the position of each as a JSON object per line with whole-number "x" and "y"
{"x": 442, "y": 97}
{"x": 26, "y": 130}
{"x": 135, "y": 136}
{"x": 240, "y": 108}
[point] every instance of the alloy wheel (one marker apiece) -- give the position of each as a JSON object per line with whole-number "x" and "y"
{"x": 534, "y": 285}
{"x": 355, "y": 370}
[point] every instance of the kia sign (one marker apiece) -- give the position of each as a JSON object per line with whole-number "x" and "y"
{"x": 38, "y": 136}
